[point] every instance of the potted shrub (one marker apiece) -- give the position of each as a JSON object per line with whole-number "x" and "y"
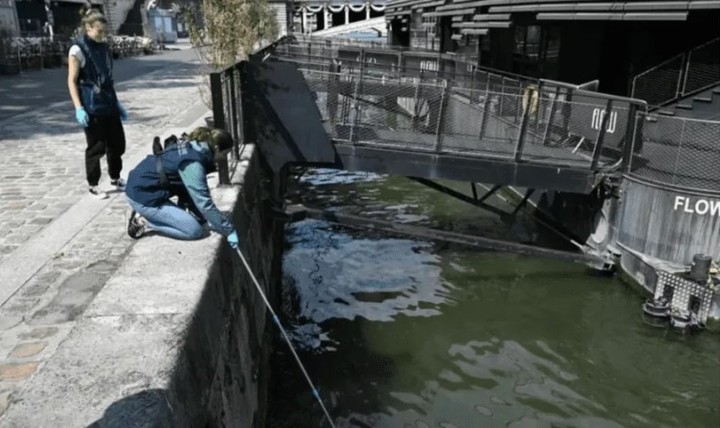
{"x": 231, "y": 30}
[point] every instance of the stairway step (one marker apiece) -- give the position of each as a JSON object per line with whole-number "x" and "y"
{"x": 666, "y": 112}
{"x": 684, "y": 106}
{"x": 703, "y": 99}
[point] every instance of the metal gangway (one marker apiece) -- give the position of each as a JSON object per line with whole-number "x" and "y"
{"x": 422, "y": 114}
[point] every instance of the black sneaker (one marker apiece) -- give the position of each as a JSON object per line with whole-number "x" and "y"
{"x": 96, "y": 192}
{"x": 118, "y": 183}
{"x": 136, "y": 225}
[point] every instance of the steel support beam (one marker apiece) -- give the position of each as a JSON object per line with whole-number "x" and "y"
{"x": 464, "y": 168}
{"x": 458, "y": 195}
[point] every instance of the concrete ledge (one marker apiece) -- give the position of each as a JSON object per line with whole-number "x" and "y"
{"x": 177, "y": 337}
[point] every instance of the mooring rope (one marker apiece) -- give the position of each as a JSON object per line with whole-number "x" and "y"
{"x": 315, "y": 392}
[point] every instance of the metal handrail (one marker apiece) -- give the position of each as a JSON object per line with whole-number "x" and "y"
{"x": 656, "y": 67}
{"x": 685, "y": 69}
{"x": 518, "y": 88}
{"x": 689, "y": 62}
{"x": 683, "y": 148}
{"x": 604, "y": 96}
{"x": 521, "y": 120}
{"x": 508, "y": 103}
{"x": 330, "y": 43}
{"x": 519, "y": 78}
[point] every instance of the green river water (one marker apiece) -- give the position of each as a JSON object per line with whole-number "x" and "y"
{"x": 401, "y": 332}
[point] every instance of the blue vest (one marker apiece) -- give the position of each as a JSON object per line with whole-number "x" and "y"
{"x": 144, "y": 184}
{"x": 96, "y": 83}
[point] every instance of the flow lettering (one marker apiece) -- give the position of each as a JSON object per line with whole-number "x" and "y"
{"x": 698, "y": 206}
{"x": 598, "y": 116}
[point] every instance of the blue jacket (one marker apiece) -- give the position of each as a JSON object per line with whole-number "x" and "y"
{"x": 185, "y": 166}
{"x": 97, "y": 92}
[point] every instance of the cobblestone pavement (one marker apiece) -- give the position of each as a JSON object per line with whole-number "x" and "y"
{"x": 42, "y": 177}
{"x": 42, "y": 169}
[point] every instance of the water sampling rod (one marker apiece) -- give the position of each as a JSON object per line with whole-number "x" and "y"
{"x": 287, "y": 339}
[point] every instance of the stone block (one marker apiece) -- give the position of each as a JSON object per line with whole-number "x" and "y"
{"x": 40, "y": 333}
{"x": 17, "y": 371}
{"x": 25, "y": 350}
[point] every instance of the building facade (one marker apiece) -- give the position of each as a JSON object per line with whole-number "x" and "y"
{"x": 569, "y": 41}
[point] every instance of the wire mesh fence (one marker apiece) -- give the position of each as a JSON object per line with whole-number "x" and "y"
{"x": 680, "y": 75}
{"x": 425, "y": 102}
{"x": 393, "y": 62}
{"x": 660, "y": 84}
{"x": 434, "y": 115}
{"x": 703, "y": 68}
{"x": 441, "y": 104}
{"x": 339, "y": 41}
{"x": 678, "y": 152}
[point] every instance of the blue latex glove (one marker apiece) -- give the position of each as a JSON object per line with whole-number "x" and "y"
{"x": 123, "y": 112}
{"x": 82, "y": 117}
{"x": 233, "y": 240}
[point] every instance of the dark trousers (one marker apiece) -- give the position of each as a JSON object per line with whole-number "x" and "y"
{"x": 105, "y": 136}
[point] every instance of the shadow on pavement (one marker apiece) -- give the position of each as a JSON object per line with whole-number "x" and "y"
{"x": 146, "y": 409}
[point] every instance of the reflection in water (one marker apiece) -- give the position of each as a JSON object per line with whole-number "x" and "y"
{"x": 403, "y": 333}
{"x": 336, "y": 271}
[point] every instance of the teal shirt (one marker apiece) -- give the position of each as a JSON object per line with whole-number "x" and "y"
{"x": 194, "y": 177}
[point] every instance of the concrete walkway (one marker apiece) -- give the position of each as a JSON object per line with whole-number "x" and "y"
{"x": 59, "y": 247}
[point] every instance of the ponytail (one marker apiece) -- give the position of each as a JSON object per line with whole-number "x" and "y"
{"x": 90, "y": 16}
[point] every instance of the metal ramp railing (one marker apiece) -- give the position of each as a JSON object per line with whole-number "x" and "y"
{"x": 679, "y": 76}
{"x": 423, "y": 102}
{"x": 441, "y": 103}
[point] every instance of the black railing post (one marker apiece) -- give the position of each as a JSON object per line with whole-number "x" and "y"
{"x": 567, "y": 112}
{"x": 216, "y": 93}
{"x": 600, "y": 139}
{"x": 240, "y": 115}
{"x": 399, "y": 64}
{"x": 520, "y": 145}
{"x": 356, "y": 98}
{"x": 437, "y": 68}
{"x": 472, "y": 83}
{"x": 246, "y": 108}
{"x": 551, "y": 118}
{"x": 538, "y": 112}
{"x": 233, "y": 119}
{"x": 485, "y": 114}
{"x": 631, "y": 134}
{"x": 331, "y": 103}
{"x": 218, "y": 109}
{"x": 442, "y": 111}
{"x": 682, "y": 75}
{"x": 502, "y": 96}
{"x": 416, "y": 103}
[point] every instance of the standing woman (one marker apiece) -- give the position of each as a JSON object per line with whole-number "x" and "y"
{"x": 97, "y": 108}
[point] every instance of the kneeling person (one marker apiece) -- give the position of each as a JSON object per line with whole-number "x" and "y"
{"x": 180, "y": 170}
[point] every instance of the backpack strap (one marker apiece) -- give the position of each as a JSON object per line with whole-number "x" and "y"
{"x": 158, "y": 152}
{"x": 161, "y": 171}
